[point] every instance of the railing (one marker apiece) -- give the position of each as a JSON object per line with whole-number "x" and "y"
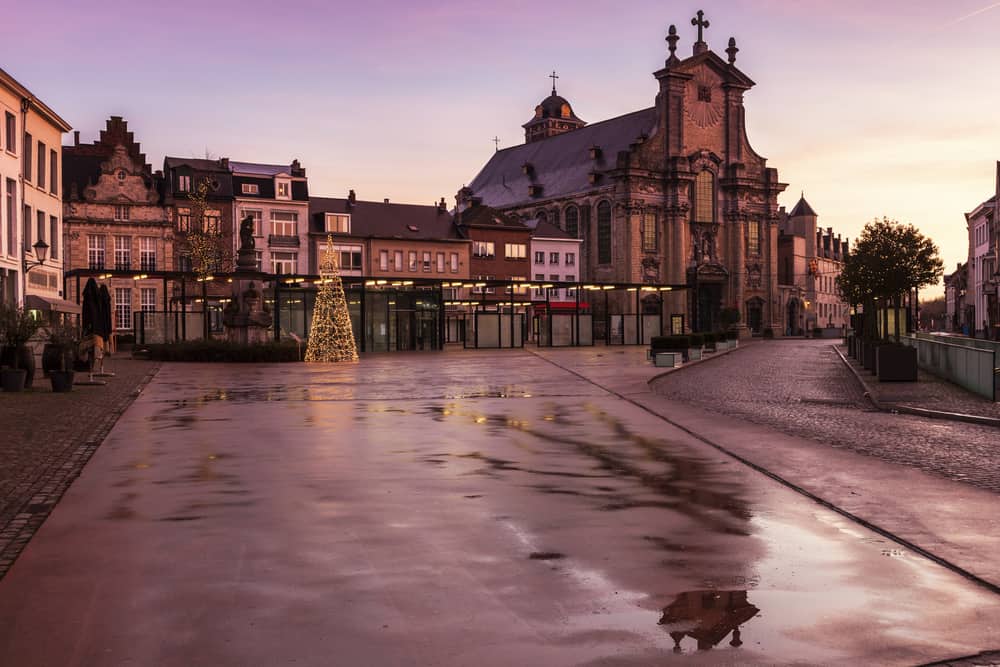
{"x": 966, "y": 365}
{"x": 280, "y": 241}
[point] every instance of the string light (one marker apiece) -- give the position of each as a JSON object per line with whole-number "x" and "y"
{"x": 331, "y": 337}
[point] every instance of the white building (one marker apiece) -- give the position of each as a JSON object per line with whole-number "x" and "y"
{"x": 981, "y": 280}
{"x": 31, "y": 211}
{"x": 277, "y": 197}
{"x": 555, "y": 257}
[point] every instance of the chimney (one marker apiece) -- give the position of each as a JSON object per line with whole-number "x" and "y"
{"x": 351, "y": 198}
{"x": 76, "y": 142}
{"x": 442, "y": 207}
{"x": 224, "y": 163}
{"x": 385, "y": 201}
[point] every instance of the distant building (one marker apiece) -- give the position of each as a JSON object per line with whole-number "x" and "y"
{"x": 388, "y": 240}
{"x": 116, "y": 221}
{"x": 954, "y": 297}
{"x": 30, "y": 203}
{"x": 500, "y": 246}
{"x": 673, "y": 194}
{"x": 982, "y": 316}
{"x": 809, "y": 262}
{"x": 555, "y": 257}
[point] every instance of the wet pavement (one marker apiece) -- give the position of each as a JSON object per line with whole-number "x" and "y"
{"x": 494, "y": 508}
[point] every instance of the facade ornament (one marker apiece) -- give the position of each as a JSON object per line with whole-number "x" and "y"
{"x": 754, "y": 275}
{"x": 672, "y": 45}
{"x": 650, "y": 269}
{"x": 732, "y": 51}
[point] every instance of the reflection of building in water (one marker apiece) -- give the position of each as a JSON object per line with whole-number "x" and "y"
{"x": 707, "y": 617}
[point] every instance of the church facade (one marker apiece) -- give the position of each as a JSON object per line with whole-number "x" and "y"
{"x": 672, "y": 194}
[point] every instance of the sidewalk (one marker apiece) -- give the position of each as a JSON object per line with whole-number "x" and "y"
{"x": 929, "y": 396}
{"x": 48, "y": 438}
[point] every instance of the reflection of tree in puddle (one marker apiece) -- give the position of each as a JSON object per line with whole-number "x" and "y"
{"x": 708, "y": 617}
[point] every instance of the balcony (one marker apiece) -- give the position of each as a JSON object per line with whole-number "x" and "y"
{"x": 279, "y": 241}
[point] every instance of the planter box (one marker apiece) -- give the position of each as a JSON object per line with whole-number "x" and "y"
{"x": 62, "y": 381}
{"x": 896, "y": 363}
{"x": 693, "y": 354}
{"x": 13, "y": 380}
{"x": 868, "y": 355}
{"x": 666, "y": 359}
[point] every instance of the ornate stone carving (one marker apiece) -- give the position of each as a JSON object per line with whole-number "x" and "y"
{"x": 650, "y": 269}
{"x": 754, "y": 275}
{"x": 705, "y": 101}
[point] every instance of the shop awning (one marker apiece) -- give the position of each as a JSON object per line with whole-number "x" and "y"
{"x": 50, "y": 303}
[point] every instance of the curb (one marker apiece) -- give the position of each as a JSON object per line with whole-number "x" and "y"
{"x": 894, "y": 408}
{"x": 715, "y": 355}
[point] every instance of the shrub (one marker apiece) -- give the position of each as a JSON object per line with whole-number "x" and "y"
{"x": 677, "y": 342}
{"x": 709, "y": 338}
{"x": 733, "y": 334}
{"x": 768, "y": 332}
{"x": 817, "y": 332}
{"x": 221, "y": 351}
{"x": 697, "y": 339}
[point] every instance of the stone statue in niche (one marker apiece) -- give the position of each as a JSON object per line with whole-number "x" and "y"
{"x": 753, "y": 275}
{"x": 650, "y": 270}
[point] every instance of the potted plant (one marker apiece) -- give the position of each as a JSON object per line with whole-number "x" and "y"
{"x": 59, "y": 356}
{"x": 17, "y": 326}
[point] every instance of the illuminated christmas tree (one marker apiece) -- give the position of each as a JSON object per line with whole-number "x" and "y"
{"x": 331, "y": 337}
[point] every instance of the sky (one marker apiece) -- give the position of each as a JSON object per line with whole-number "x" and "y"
{"x": 870, "y": 108}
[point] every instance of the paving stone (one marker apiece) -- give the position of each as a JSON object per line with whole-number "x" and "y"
{"x": 801, "y": 387}
{"x": 47, "y": 439}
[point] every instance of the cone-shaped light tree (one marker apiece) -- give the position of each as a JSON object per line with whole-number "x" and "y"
{"x": 331, "y": 337}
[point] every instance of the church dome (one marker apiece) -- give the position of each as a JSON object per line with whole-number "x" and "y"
{"x": 555, "y": 106}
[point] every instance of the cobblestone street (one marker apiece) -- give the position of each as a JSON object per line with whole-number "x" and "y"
{"x": 802, "y": 388}
{"x": 47, "y": 439}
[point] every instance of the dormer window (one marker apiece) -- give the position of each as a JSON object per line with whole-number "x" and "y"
{"x": 527, "y": 168}
{"x": 565, "y": 111}
{"x": 183, "y": 183}
{"x": 250, "y": 189}
{"x": 534, "y": 190}
{"x": 284, "y": 190}
{"x": 338, "y": 223}
{"x": 413, "y": 228}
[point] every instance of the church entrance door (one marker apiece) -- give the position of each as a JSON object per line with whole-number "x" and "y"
{"x": 709, "y": 296}
{"x": 793, "y": 328}
{"x": 755, "y": 315}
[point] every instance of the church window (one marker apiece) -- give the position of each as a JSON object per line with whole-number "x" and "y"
{"x": 572, "y": 217}
{"x": 604, "y": 233}
{"x": 753, "y": 238}
{"x": 584, "y": 221}
{"x": 541, "y": 216}
{"x": 649, "y": 231}
{"x": 704, "y": 197}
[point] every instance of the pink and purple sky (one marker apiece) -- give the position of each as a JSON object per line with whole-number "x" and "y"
{"x": 871, "y": 108}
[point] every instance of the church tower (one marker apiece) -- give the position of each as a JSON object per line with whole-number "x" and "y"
{"x": 553, "y": 116}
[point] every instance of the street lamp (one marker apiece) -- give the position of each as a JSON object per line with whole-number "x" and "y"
{"x": 41, "y": 249}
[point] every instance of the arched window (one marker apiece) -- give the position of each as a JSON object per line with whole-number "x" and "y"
{"x": 555, "y": 218}
{"x": 573, "y": 222}
{"x": 541, "y": 216}
{"x": 604, "y": 233}
{"x": 704, "y": 197}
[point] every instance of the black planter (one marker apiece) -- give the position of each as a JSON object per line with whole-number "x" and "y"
{"x": 12, "y": 379}
{"x": 868, "y": 350}
{"x": 51, "y": 358}
{"x": 62, "y": 381}
{"x": 896, "y": 363}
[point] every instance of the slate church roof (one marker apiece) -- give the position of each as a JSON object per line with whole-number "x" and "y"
{"x": 562, "y": 164}
{"x": 802, "y": 208}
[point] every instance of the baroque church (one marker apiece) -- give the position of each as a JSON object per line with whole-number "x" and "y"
{"x": 670, "y": 195}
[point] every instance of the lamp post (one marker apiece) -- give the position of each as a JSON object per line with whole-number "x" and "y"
{"x": 41, "y": 249}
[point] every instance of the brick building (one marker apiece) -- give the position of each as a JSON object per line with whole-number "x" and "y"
{"x": 500, "y": 246}
{"x": 116, "y": 221}
{"x": 672, "y": 194}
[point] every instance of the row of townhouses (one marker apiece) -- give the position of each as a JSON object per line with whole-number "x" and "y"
{"x": 971, "y": 290}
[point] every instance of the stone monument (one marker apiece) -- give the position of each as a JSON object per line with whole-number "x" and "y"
{"x": 246, "y": 317}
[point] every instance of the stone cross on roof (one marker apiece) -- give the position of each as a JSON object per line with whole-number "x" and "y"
{"x": 553, "y": 76}
{"x": 701, "y": 23}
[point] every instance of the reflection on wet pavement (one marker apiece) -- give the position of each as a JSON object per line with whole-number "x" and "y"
{"x": 477, "y": 509}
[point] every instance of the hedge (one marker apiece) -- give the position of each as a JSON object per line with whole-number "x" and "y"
{"x": 221, "y": 351}
{"x": 677, "y": 342}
